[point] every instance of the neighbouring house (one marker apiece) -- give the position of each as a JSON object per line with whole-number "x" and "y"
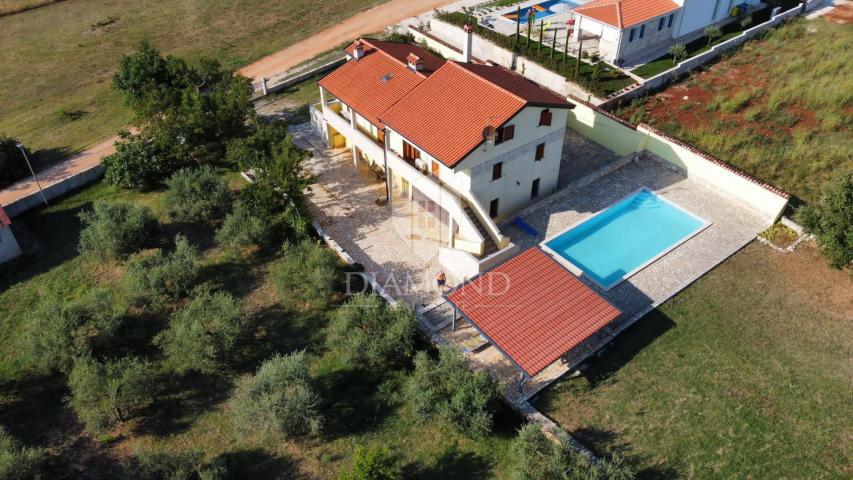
{"x": 476, "y": 141}
{"x": 9, "y": 247}
{"x": 632, "y": 29}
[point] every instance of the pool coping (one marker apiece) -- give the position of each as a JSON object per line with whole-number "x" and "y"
{"x": 523, "y": 5}
{"x": 579, "y": 272}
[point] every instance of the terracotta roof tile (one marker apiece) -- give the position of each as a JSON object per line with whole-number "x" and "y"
{"x": 379, "y": 79}
{"x": 626, "y": 13}
{"x": 533, "y": 309}
{"x": 446, "y": 114}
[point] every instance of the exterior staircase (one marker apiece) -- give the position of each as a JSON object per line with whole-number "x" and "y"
{"x": 489, "y": 246}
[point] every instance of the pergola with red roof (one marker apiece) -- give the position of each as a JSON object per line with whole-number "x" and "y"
{"x": 532, "y": 309}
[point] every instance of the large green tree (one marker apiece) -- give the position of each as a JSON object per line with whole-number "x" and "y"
{"x": 186, "y": 115}
{"x": 12, "y": 164}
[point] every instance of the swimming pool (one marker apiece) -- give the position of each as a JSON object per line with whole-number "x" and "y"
{"x": 625, "y": 238}
{"x": 543, "y": 10}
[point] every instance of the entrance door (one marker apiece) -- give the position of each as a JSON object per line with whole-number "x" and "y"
{"x": 534, "y": 189}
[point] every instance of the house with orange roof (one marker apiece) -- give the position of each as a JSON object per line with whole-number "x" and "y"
{"x": 476, "y": 141}
{"x": 628, "y": 30}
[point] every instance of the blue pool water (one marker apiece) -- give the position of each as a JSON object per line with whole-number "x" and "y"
{"x": 543, "y": 10}
{"x": 612, "y": 245}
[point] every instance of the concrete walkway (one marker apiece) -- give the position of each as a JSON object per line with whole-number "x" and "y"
{"x": 370, "y": 21}
{"x": 58, "y": 173}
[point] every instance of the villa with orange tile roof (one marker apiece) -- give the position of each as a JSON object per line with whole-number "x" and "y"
{"x": 631, "y": 29}
{"x": 477, "y": 142}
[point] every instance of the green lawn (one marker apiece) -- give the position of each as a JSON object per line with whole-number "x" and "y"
{"x": 780, "y": 108}
{"x": 746, "y": 374}
{"x": 700, "y": 45}
{"x": 57, "y": 61}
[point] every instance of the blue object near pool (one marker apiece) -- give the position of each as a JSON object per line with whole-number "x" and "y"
{"x": 524, "y": 227}
{"x": 543, "y": 10}
{"x": 620, "y": 241}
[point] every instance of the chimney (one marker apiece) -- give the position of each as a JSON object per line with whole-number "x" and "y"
{"x": 358, "y": 49}
{"x": 469, "y": 41}
{"x": 415, "y": 62}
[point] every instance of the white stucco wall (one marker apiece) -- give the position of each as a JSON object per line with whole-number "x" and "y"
{"x": 9, "y": 248}
{"x": 697, "y": 14}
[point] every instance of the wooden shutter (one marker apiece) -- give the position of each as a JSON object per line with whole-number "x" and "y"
{"x": 540, "y": 151}
{"x": 509, "y": 132}
{"x": 545, "y": 118}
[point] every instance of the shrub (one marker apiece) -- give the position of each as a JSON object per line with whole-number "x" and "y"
{"x": 197, "y": 195}
{"x": 13, "y": 167}
{"x": 678, "y": 53}
{"x": 306, "y": 275}
{"x": 18, "y": 462}
{"x": 737, "y": 102}
{"x": 535, "y": 457}
{"x": 103, "y": 394}
{"x": 712, "y": 32}
{"x": 242, "y": 229}
{"x": 56, "y": 333}
{"x": 278, "y": 400}
{"x": 170, "y": 465}
{"x": 140, "y": 162}
{"x": 172, "y": 274}
{"x": 372, "y": 464}
{"x": 831, "y": 220}
{"x": 447, "y": 390}
{"x": 203, "y": 333}
{"x": 369, "y": 333}
{"x": 116, "y": 229}
{"x": 745, "y": 22}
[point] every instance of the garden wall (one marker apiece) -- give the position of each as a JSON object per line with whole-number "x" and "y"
{"x": 54, "y": 190}
{"x": 624, "y": 138}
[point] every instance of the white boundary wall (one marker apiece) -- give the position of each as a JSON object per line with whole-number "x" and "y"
{"x": 624, "y": 138}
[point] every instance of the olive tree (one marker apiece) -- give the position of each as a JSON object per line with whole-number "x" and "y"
{"x": 306, "y": 275}
{"x": 156, "y": 464}
{"x": 116, "y": 229}
{"x": 278, "y": 400}
{"x": 104, "y": 394}
{"x": 197, "y": 195}
{"x": 831, "y": 220}
{"x": 158, "y": 273}
{"x": 369, "y": 333}
{"x": 536, "y": 457}
{"x": 18, "y": 462}
{"x": 678, "y": 53}
{"x": 57, "y": 332}
{"x": 372, "y": 464}
{"x": 446, "y": 389}
{"x": 201, "y": 335}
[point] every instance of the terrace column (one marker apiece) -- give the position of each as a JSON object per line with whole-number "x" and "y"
{"x": 323, "y": 99}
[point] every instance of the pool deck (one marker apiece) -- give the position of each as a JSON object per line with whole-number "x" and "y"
{"x": 732, "y": 226}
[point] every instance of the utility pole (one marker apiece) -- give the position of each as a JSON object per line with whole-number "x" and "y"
{"x": 24, "y": 153}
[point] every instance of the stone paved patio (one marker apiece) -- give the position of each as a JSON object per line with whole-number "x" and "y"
{"x": 397, "y": 244}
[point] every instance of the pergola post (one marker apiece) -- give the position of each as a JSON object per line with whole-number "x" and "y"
{"x": 453, "y": 322}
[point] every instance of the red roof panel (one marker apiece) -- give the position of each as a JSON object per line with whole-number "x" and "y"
{"x": 533, "y": 309}
{"x": 626, "y": 13}
{"x": 379, "y": 79}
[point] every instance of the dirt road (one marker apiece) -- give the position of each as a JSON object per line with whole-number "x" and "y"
{"x": 370, "y": 21}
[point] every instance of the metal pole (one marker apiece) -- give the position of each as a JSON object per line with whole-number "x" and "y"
{"x": 24, "y": 153}
{"x": 580, "y": 48}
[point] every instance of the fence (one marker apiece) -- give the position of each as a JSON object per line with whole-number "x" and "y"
{"x": 625, "y": 138}
{"x": 265, "y": 86}
{"x": 692, "y": 63}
